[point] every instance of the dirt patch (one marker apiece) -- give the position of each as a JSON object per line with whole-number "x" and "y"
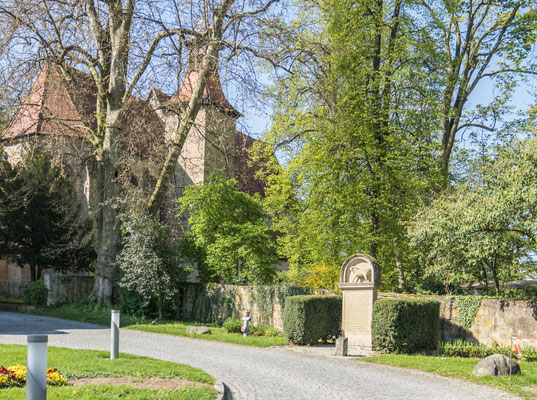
{"x": 149, "y": 383}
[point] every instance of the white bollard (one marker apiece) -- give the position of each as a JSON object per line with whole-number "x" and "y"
{"x": 36, "y": 367}
{"x": 114, "y": 328}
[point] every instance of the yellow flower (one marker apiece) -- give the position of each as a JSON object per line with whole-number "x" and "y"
{"x": 19, "y": 371}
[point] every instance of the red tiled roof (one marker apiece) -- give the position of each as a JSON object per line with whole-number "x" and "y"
{"x": 212, "y": 94}
{"x": 48, "y": 109}
{"x": 60, "y": 105}
{"x": 66, "y": 106}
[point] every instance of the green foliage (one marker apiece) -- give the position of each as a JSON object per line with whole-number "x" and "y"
{"x": 40, "y": 221}
{"x": 265, "y": 297}
{"x": 265, "y": 330}
{"x": 354, "y": 123}
{"x": 149, "y": 263}
{"x": 483, "y": 229}
{"x": 525, "y": 293}
{"x": 36, "y": 294}
{"x": 464, "y": 348}
{"x": 468, "y": 308}
{"x": 405, "y": 325}
{"x": 230, "y": 231}
{"x": 232, "y": 325}
{"x": 310, "y": 319}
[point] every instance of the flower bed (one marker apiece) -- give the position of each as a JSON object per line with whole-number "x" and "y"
{"x": 15, "y": 376}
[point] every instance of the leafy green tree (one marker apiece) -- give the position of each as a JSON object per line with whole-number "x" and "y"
{"x": 231, "y": 231}
{"x": 149, "y": 263}
{"x": 353, "y": 122}
{"x": 484, "y": 228}
{"x": 40, "y": 221}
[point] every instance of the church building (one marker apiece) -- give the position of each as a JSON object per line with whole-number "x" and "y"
{"x": 60, "y": 110}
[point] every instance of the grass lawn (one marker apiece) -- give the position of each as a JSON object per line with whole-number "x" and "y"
{"x": 84, "y": 312}
{"x": 88, "y": 364}
{"x": 101, "y": 316}
{"x": 217, "y": 334}
{"x": 524, "y": 385}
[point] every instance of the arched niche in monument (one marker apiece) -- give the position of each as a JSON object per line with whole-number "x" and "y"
{"x": 360, "y": 269}
{"x": 359, "y": 280}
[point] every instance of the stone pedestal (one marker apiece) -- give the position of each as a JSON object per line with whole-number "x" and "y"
{"x": 342, "y": 346}
{"x": 360, "y": 277}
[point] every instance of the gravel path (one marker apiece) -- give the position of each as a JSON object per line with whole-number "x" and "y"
{"x": 255, "y": 373}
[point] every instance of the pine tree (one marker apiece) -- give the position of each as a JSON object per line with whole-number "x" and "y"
{"x": 40, "y": 221}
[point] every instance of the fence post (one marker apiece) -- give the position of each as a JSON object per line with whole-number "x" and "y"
{"x": 114, "y": 329}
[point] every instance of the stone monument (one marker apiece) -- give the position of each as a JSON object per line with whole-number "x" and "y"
{"x": 360, "y": 278}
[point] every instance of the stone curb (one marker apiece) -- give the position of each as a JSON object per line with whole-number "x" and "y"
{"x": 223, "y": 391}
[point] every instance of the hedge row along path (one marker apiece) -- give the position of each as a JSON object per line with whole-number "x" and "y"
{"x": 255, "y": 373}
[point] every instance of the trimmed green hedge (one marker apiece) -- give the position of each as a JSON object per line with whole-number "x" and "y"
{"x": 310, "y": 319}
{"x": 405, "y": 325}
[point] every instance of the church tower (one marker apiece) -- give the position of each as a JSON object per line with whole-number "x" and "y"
{"x": 211, "y": 142}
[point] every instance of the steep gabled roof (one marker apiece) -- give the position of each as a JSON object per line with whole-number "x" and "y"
{"x": 213, "y": 93}
{"x": 66, "y": 105}
{"x": 47, "y": 109}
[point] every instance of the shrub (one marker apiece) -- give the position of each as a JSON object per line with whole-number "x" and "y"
{"x": 405, "y": 325}
{"x": 310, "y": 319}
{"x": 265, "y": 330}
{"x": 232, "y": 325}
{"x": 36, "y": 294}
{"x": 468, "y": 349}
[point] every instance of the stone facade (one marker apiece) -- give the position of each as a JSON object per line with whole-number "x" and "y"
{"x": 13, "y": 279}
{"x": 67, "y": 288}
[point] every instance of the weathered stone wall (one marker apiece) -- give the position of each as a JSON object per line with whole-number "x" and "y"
{"x": 67, "y": 288}
{"x": 495, "y": 322}
{"x": 13, "y": 279}
{"x": 215, "y": 303}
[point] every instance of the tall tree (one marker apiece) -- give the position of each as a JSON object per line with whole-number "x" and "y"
{"x": 40, "y": 221}
{"x": 477, "y": 41}
{"x": 116, "y": 41}
{"x": 355, "y": 123}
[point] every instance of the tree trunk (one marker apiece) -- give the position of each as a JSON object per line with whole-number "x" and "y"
{"x": 119, "y": 25}
{"x": 400, "y": 272}
{"x": 108, "y": 234}
{"x": 32, "y": 273}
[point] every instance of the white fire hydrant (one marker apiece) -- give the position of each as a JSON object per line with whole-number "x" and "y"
{"x": 246, "y": 319}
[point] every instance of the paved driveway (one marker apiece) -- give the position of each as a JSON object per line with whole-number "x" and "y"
{"x": 254, "y": 373}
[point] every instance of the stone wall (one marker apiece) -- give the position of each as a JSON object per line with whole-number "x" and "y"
{"x": 13, "y": 279}
{"x": 215, "y": 303}
{"x": 495, "y": 322}
{"x": 67, "y": 288}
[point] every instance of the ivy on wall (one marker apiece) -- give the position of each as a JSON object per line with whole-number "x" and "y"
{"x": 468, "y": 308}
{"x": 264, "y": 298}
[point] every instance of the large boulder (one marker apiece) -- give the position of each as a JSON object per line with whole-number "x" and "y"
{"x": 198, "y": 330}
{"x": 496, "y": 365}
